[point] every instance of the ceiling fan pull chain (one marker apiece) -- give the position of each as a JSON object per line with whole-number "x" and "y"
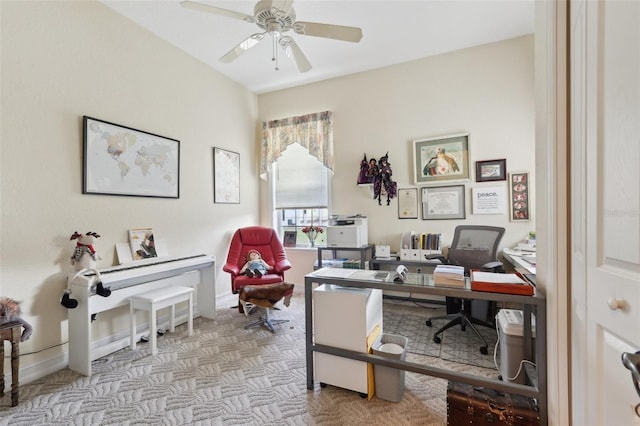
{"x": 275, "y": 49}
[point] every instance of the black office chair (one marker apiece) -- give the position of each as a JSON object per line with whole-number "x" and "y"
{"x": 473, "y": 247}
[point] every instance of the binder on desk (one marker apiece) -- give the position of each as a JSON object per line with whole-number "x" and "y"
{"x": 500, "y": 283}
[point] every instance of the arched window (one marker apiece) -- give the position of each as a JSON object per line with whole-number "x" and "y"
{"x": 297, "y": 159}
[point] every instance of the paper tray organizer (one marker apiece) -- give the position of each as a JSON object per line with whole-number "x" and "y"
{"x": 523, "y": 288}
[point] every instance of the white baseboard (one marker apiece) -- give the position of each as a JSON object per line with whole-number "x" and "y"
{"x": 39, "y": 370}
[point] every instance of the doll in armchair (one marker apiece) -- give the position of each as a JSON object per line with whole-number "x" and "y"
{"x": 255, "y": 265}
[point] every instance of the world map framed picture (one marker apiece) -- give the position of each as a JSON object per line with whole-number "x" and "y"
{"x": 120, "y": 160}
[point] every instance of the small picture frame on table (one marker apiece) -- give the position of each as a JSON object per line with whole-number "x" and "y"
{"x": 491, "y": 170}
{"x": 289, "y": 239}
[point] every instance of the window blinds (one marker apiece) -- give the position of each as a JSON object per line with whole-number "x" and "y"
{"x": 301, "y": 181}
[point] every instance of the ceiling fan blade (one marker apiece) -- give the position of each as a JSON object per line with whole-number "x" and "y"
{"x": 216, "y": 10}
{"x": 292, "y": 49}
{"x": 247, "y": 44}
{"x": 337, "y": 32}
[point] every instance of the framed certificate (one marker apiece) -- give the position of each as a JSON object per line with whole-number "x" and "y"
{"x": 408, "y": 203}
{"x": 443, "y": 202}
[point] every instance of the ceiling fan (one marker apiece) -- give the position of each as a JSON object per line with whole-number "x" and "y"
{"x": 276, "y": 17}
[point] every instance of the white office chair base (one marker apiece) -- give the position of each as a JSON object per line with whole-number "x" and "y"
{"x": 266, "y": 320}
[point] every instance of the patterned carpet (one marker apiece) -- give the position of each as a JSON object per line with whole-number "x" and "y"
{"x": 223, "y": 375}
{"x": 457, "y": 345}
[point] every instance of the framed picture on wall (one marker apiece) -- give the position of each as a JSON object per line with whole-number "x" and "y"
{"x": 408, "y": 203}
{"x": 519, "y": 196}
{"x": 120, "y": 160}
{"x": 226, "y": 176}
{"x": 442, "y": 159}
{"x": 443, "y": 202}
{"x": 488, "y": 200}
{"x": 491, "y": 170}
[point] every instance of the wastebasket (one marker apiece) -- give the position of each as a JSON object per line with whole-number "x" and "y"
{"x": 390, "y": 381}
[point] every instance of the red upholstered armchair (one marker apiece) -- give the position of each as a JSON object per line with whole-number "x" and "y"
{"x": 266, "y": 241}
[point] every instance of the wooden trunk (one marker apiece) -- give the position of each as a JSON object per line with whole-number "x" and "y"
{"x": 472, "y": 405}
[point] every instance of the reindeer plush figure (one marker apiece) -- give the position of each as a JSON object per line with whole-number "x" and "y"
{"x": 10, "y": 311}
{"x": 85, "y": 256}
{"x": 84, "y": 259}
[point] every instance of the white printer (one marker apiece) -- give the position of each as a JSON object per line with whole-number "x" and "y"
{"x": 347, "y": 231}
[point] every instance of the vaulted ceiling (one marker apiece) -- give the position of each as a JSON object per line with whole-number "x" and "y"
{"x": 394, "y": 31}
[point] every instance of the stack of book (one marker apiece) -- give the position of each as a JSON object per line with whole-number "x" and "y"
{"x": 449, "y": 275}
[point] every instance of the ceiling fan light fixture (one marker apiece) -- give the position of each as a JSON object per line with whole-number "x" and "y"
{"x": 276, "y": 17}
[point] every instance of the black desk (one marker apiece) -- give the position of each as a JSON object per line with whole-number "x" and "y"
{"x": 423, "y": 283}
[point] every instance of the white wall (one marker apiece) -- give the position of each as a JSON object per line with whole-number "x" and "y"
{"x": 65, "y": 59}
{"x": 487, "y": 91}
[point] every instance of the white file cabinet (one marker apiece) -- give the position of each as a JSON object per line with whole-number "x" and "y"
{"x": 348, "y": 318}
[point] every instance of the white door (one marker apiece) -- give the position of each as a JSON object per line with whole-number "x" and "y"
{"x": 605, "y": 203}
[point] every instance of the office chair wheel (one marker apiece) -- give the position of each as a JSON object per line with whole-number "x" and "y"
{"x": 483, "y": 350}
{"x": 436, "y": 339}
{"x": 362, "y": 395}
{"x": 428, "y": 322}
{"x": 323, "y": 385}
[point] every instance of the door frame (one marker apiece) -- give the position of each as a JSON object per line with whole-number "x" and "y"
{"x": 553, "y": 195}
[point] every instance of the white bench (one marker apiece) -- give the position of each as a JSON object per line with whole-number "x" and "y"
{"x": 156, "y": 299}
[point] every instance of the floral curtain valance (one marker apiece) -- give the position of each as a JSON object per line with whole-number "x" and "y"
{"x": 312, "y": 131}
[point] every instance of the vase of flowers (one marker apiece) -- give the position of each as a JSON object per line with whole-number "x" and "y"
{"x": 312, "y": 233}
